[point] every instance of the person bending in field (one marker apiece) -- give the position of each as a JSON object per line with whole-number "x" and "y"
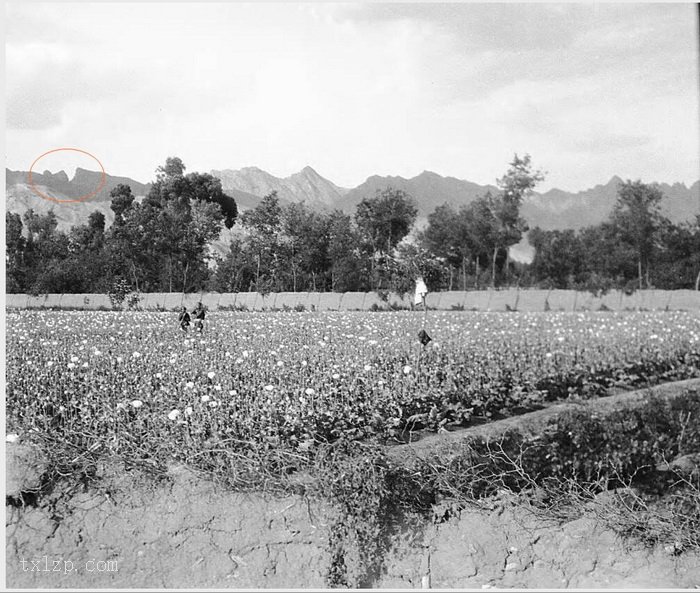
{"x": 199, "y": 318}
{"x": 184, "y": 319}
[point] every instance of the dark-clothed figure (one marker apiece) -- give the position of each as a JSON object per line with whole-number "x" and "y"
{"x": 184, "y": 319}
{"x": 199, "y": 317}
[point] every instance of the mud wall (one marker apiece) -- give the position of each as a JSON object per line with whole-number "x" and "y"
{"x": 483, "y": 300}
{"x": 190, "y": 534}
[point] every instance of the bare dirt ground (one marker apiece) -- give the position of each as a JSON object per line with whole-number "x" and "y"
{"x": 188, "y": 532}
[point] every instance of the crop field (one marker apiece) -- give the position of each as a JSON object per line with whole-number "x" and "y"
{"x": 270, "y": 387}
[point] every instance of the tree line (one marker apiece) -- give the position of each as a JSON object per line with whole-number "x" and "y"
{"x": 164, "y": 243}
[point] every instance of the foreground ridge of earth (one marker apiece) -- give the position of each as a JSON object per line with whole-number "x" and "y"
{"x": 532, "y": 423}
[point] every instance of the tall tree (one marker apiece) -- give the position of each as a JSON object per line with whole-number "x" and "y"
{"x": 344, "y": 253}
{"x": 518, "y": 182}
{"x": 122, "y": 200}
{"x": 637, "y": 218}
{"x": 558, "y": 261}
{"x": 386, "y": 219}
{"x": 14, "y": 246}
{"x": 264, "y": 226}
{"x": 383, "y": 221}
{"x": 484, "y": 229}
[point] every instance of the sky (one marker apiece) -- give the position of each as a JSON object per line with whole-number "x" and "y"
{"x": 354, "y": 90}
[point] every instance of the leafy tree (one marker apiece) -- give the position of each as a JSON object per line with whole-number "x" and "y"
{"x": 344, "y": 253}
{"x": 383, "y": 221}
{"x": 515, "y": 185}
{"x": 14, "y": 252}
{"x": 264, "y": 226}
{"x": 677, "y": 257}
{"x": 235, "y": 271}
{"x": 90, "y": 236}
{"x": 174, "y": 167}
{"x": 386, "y": 219}
{"x": 122, "y": 201}
{"x": 558, "y": 260}
{"x": 305, "y": 243}
{"x": 41, "y": 227}
{"x": 637, "y": 218}
{"x": 484, "y": 229}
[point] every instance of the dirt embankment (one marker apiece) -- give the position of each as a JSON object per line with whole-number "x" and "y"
{"x": 187, "y": 532}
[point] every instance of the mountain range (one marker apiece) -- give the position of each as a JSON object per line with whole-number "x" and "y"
{"x": 554, "y": 209}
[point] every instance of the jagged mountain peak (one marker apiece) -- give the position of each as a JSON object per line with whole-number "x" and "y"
{"x": 309, "y": 170}
{"x": 59, "y": 177}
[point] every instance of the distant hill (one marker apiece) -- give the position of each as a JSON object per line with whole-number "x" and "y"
{"x": 20, "y": 198}
{"x": 84, "y": 182}
{"x": 428, "y": 189}
{"x": 305, "y": 186}
{"x": 557, "y": 209}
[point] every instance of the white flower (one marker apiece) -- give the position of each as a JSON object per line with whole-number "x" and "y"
{"x": 119, "y": 359}
{"x": 205, "y": 398}
{"x": 246, "y": 354}
{"x": 159, "y": 375}
{"x": 211, "y": 374}
{"x": 74, "y": 359}
{"x": 336, "y": 375}
{"x": 174, "y": 414}
{"x": 71, "y": 365}
{"x": 368, "y": 367}
{"x": 137, "y": 403}
{"x": 309, "y": 391}
{"x": 406, "y": 370}
{"x": 85, "y": 365}
{"x": 217, "y": 387}
{"x": 280, "y": 363}
{"x": 188, "y": 411}
{"x": 136, "y": 355}
{"x": 11, "y": 438}
{"x": 233, "y": 392}
{"x": 97, "y": 353}
{"x": 50, "y": 363}
{"x": 303, "y": 363}
{"x": 189, "y": 384}
{"x": 269, "y": 387}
